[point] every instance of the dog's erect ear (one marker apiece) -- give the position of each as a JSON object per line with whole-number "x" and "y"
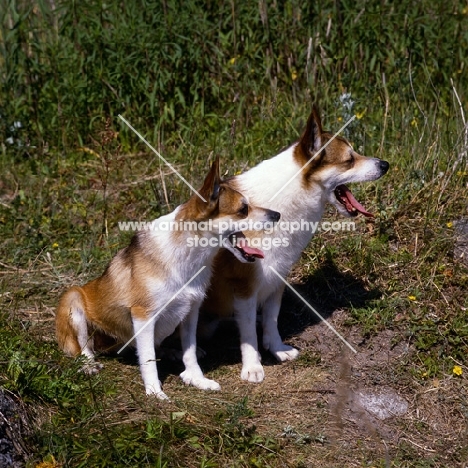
{"x": 196, "y": 208}
{"x": 210, "y": 189}
{"x": 311, "y": 139}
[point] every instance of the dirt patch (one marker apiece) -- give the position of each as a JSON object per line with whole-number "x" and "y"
{"x": 371, "y": 398}
{"x": 321, "y": 407}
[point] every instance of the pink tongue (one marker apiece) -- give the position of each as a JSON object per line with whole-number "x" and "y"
{"x": 242, "y": 244}
{"x": 354, "y": 203}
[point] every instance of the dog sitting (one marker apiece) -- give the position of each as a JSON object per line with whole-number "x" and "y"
{"x": 159, "y": 281}
{"x": 298, "y": 182}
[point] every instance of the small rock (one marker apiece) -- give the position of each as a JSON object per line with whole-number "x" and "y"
{"x": 13, "y": 431}
{"x": 382, "y": 405}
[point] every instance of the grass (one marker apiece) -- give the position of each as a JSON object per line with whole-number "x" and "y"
{"x": 241, "y": 87}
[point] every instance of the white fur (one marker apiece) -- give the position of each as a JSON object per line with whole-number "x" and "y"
{"x": 193, "y": 374}
{"x": 78, "y": 319}
{"x": 180, "y": 263}
{"x": 163, "y": 322}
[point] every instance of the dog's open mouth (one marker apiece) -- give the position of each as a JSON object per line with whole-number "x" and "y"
{"x": 240, "y": 243}
{"x": 346, "y": 198}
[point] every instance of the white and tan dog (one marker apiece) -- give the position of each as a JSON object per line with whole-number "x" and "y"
{"x": 241, "y": 288}
{"x": 143, "y": 294}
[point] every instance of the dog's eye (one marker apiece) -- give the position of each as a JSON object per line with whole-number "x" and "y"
{"x": 244, "y": 211}
{"x": 350, "y": 160}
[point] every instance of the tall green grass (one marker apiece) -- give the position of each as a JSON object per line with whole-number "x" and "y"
{"x": 66, "y": 65}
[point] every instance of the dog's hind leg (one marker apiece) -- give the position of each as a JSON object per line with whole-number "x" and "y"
{"x": 271, "y": 337}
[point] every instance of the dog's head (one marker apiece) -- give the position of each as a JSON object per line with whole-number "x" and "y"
{"x": 227, "y": 212}
{"x": 331, "y": 161}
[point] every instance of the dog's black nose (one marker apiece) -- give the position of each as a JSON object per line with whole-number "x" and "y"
{"x": 384, "y": 166}
{"x": 274, "y": 216}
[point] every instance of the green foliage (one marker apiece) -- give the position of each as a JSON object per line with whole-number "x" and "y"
{"x": 239, "y": 438}
{"x": 85, "y": 430}
{"x": 67, "y": 64}
{"x": 156, "y": 442}
{"x": 36, "y": 370}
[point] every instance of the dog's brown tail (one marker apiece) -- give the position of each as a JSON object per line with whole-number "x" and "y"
{"x": 69, "y": 318}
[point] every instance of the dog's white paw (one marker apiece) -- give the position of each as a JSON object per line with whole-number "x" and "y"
{"x": 253, "y": 373}
{"x": 154, "y": 389}
{"x": 199, "y": 381}
{"x": 285, "y": 353}
{"x": 91, "y": 367}
{"x": 151, "y": 391}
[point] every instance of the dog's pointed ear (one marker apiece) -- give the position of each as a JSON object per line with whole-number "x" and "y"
{"x": 211, "y": 185}
{"x": 311, "y": 139}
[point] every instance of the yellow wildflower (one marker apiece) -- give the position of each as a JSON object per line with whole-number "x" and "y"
{"x": 450, "y": 224}
{"x": 457, "y": 370}
{"x": 294, "y": 75}
{"x": 55, "y": 245}
{"x": 48, "y": 462}
{"x": 412, "y": 298}
{"x": 360, "y": 115}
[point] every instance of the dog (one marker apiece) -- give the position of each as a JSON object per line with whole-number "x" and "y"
{"x": 158, "y": 281}
{"x": 298, "y": 182}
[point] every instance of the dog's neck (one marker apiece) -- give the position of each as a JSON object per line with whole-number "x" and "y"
{"x": 277, "y": 184}
{"x": 175, "y": 242}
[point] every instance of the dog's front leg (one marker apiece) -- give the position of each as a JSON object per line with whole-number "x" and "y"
{"x": 144, "y": 336}
{"x": 271, "y": 337}
{"x": 193, "y": 374}
{"x": 246, "y": 316}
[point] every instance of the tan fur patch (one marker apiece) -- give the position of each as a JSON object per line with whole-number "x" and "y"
{"x": 232, "y": 279}
{"x": 139, "y": 313}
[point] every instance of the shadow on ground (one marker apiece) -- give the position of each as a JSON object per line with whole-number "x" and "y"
{"x": 327, "y": 289}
